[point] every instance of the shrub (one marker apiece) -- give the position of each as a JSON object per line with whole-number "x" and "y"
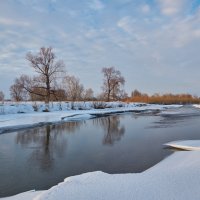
{"x": 99, "y": 105}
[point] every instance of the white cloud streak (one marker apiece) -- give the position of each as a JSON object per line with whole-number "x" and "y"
{"x": 12, "y": 22}
{"x": 96, "y": 5}
{"x": 172, "y": 7}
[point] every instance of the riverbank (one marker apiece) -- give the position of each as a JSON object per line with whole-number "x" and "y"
{"x": 23, "y": 116}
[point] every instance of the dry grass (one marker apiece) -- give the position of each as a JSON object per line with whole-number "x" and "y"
{"x": 165, "y": 99}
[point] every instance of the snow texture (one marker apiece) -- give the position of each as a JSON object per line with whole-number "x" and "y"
{"x": 196, "y": 105}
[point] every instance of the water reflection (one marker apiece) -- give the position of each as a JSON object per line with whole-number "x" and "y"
{"x": 113, "y": 130}
{"x": 46, "y": 143}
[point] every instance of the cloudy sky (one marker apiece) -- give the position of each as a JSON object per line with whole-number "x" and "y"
{"x": 154, "y": 43}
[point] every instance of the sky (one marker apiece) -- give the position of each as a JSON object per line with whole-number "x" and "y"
{"x": 154, "y": 43}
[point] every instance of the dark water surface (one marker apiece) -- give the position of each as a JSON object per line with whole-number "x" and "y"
{"x": 42, "y": 157}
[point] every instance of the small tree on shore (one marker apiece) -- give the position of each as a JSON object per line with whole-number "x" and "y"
{"x": 88, "y": 94}
{"x": 17, "y": 90}
{"x": 136, "y": 93}
{"x": 47, "y": 68}
{"x": 112, "y": 82}
{"x": 74, "y": 89}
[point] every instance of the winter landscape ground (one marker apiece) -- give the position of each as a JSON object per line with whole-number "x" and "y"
{"x": 176, "y": 177}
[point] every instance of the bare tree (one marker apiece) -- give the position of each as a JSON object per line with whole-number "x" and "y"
{"x": 48, "y": 69}
{"x": 136, "y": 93}
{"x": 122, "y": 95}
{"x": 112, "y": 82}
{"x": 16, "y": 92}
{"x": 74, "y": 89}
{"x": 21, "y": 87}
{"x": 88, "y": 94}
{"x": 2, "y": 96}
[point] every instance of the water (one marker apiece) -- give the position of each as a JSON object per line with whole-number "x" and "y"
{"x": 42, "y": 157}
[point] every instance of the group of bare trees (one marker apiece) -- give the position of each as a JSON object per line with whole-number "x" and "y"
{"x": 1, "y": 96}
{"x": 51, "y": 83}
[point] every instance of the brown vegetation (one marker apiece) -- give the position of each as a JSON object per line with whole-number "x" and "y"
{"x": 169, "y": 98}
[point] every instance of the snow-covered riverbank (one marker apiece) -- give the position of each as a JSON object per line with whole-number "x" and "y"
{"x": 23, "y": 116}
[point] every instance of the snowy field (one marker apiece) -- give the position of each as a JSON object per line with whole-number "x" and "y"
{"x": 176, "y": 177}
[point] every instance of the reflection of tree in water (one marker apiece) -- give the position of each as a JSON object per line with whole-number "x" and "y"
{"x": 112, "y": 127}
{"x": 47, "y": 142}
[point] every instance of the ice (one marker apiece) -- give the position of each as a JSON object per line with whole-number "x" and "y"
{"x": 190, "y": 145}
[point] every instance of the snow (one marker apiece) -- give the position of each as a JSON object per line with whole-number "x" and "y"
{"x": 24, "y": 196}
{"x": 196, "y": 105}
{"x": 19, "y": 116}
{"x": 189, "y": 145}
{"x": 31, "y": 107}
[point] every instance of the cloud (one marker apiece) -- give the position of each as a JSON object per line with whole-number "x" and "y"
{"x": 145, "y": 8}
{"x": 126, "y": 23}
{"x": 96, "y": 5}
{"x": 183, "y": 32}
{"x": 171, "y": 7}
{"x": 12, "y": 22}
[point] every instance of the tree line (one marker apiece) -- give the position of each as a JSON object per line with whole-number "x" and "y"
{"x": 52, "y": 83}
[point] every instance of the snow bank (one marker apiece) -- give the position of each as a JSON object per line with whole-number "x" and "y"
{"x": 24, "y": 196}
{"x": 31, "y": 107}
{"x": 196, "y": 105}
{"x": 190, "y": 145}
{"x": 176, "y": 177}
{"x": 20, "y": 120}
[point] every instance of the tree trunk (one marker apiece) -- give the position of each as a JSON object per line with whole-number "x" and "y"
{"x": 47, "y": 98}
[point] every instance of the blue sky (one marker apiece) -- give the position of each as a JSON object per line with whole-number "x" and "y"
{"x": 155, "y": 44}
